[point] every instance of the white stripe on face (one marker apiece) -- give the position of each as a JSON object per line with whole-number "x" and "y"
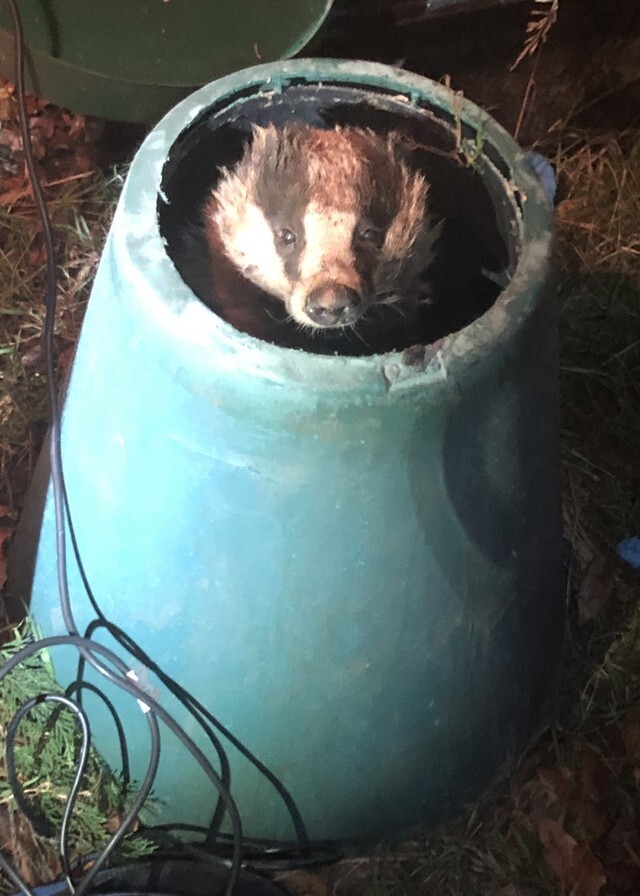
{"x": 328, "y": 255}
{"x": 328, "y": 235}
{"x": 249, "y": 243}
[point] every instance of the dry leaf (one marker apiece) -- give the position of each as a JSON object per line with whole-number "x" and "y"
{"x": 621, "y": 849}
{"x": 6, "y": 533}
{"x": 6, "y": 107}
{"x": 29, "y": 853}
{"x": 31, "y": 352}
{"x": 630, "y": 733}
{"x": 10, "y": 197}
{"x": 37, "y": 256}
{"x": 305, "y": 883}
{"x": 534, "y": 800}
{"x": 594, "y": 777}
{"x": 558, "y": 783}
{"x": 597, "y": 586}
{"x": 589, "y": 803}
{"x": 573, "y": 863}
{"x": 11, "y": 138}
{"x": 514, "y": 890}
{"x": 42, "y": 127}
{"x": 65, "y": 358}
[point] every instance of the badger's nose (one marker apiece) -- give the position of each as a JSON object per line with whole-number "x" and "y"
{"x": 333, "y": 305}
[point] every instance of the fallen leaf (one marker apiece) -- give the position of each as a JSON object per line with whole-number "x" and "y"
{"x": 37, "y": 256}
{"x": 10, "y": 197}
{"x": 65, "y": 358}
{"x": 558, "y": 782}
{"x": 31, "y": 352}
{"x": 11, "y": 138}
{"x": 572, "y": 861}
{"x": 590, "y": 801}
{"x": 597, "y": 586}
{"x": 305, "y": 883}
{"x": 114, "y": 822}
{"x": 29, "y": 853}
{"x": 6, "y": 533}
{"x": 534, "y": 800}
{"x": 6, "y": 107}
{"x": 514, "y": 890}
{"x": 623, "y": 840}
{"x": 630, "y": 732}
{"x": 42, "y": 127}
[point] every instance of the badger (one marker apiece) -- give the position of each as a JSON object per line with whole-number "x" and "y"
{"x": 328, "y": 223}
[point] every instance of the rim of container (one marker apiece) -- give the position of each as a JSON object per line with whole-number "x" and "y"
{"x": 183, "y": 316}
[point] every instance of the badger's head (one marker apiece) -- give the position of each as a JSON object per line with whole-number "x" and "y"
{"x": 329, "y": 221}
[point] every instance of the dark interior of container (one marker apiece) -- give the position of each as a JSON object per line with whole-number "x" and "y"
{"x": 476, "y": 252}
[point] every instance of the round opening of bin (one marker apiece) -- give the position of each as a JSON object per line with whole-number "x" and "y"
{"x": 469, "y": 196}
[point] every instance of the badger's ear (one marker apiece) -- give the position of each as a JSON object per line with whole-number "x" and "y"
{"x": 401, "y": 147}
{"x": 264, "y": 141}
{"x": 410, "y": 220}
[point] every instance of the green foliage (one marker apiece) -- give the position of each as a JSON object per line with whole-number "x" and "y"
{"x": 46, "y": 751}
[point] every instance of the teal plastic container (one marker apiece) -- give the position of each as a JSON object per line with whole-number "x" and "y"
{"x": 356, "y": 562}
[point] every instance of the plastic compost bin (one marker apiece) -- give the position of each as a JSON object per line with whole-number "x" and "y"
{"x": 354, "y": 560}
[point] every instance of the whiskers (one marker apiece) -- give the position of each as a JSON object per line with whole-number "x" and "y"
{"x": 388, "y": 321}
{"x": 353, "y": 331}
{"x": 394, "y": 302}
{"x": 274, "y": 318}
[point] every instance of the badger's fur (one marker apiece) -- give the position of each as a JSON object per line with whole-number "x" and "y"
{"x": 330, "y": 222}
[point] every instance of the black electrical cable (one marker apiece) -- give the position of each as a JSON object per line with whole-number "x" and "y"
{"x": 89, "y": 649}
{"x": 81, "y": 686}
{"x": 61, "y": 503}
{"x": 39, "y": 821}
{"x": 50, "y": 293}
{"x": 80, "y": 768}
{"x": 198, "y": 711}
{"x": 141, "y": 657}
{"x": 259, "y": 855}
{"x": 123, "y": 639}
{"x": 151, "y": 708}
{"x": 154, "y": 754}
{"x": 14, "y": 877}
{"x": 301, "y": 854}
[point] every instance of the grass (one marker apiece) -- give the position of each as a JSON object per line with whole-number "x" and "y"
{"x": 599, "y": 241}
{"x": 80, "y": 209}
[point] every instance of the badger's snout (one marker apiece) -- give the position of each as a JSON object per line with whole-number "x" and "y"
{"x": 333, "y": 305}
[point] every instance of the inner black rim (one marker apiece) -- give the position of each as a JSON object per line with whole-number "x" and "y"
{"x": 476, "y": 253}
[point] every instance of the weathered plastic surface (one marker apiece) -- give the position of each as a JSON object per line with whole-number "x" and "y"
{"x": 355, "y": 562}
{"x": 133, "y": 61}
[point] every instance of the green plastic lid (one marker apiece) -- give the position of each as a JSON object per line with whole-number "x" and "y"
{"x": 133, "y": 61}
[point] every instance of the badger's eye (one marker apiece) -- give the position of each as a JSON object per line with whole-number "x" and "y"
{"x": 368, "y": 234}
{"x": 286, "y": 237}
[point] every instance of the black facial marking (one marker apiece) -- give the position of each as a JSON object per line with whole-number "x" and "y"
{"x": 282, "y": 191}
{"x": 380, "y": 196}
{"x": 286, "y": 237}
{"x": 382, "y": 186}
{"x": 367, "y": 235}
